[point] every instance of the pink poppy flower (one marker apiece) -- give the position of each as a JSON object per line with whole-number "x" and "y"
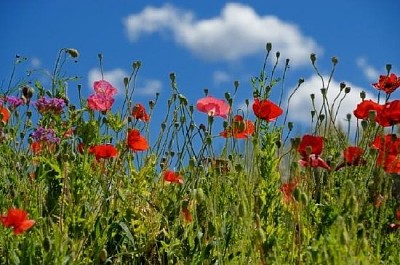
{"x": 102, "y": 99}
{"x": 213, "y": 106}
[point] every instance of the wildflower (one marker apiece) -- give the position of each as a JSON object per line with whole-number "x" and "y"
{"x": 102, "y": 99}
{"x": 213, "y": 106}
{"x": 137, "y": 142}
{"x": 172, "y": 177}
{"x": 287, "y": 190}
{"x": 266, "y": 109}
{"x": 310, "y": 148}
{"x": 352, "y": 157}
{"x": 239, "y": 129}
{"x": 44, "y": 134}
{"x": 387, "y": 83}
{"x": 18, "y": 219}
{"x": 139, "y": 113}
{"x": 389, "y": 143}
{"x": 187, "y": 216}
{"x": 4, "y": 114}
{"x": 103, "y": 151}
{"x": 14, "y": 102}
{"x": 365, "y": 107}
{"x": 390, "y": 114}
{"x": 52, "y": 106}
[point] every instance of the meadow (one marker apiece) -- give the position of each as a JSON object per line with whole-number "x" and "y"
{"x": 83, "y": 184}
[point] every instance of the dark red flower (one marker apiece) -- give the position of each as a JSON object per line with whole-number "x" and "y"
{"x": 310, "y": 148}
{"x": 352, "y": 157}
{"x": 136, "y": 142}
{"x": 363, "y": 109}
{"x": 139, "y": 113}
{"x": 387, "y": 83}
{"x": 239, "y": 129}
{"x": 266, "y": 109}
{"x": 172, "y": 177}
{"x": 187, "y": 216}
{"x": 18, "y": 219}
{"x": 390, "y": 114}
{"x": 287, "y": 190}
{"x": 103, "y": 151}
{"x": 389, "y": 144}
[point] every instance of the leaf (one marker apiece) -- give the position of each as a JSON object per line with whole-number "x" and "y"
{"x": 127, "y": 232}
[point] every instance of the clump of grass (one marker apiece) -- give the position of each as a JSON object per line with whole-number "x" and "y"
{"x": 102, "y": 191}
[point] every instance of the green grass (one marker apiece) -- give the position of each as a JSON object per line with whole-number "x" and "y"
{"x": 121, "y": 211}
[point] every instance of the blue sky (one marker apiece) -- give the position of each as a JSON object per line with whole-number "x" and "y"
{"x": 208, "y": 44}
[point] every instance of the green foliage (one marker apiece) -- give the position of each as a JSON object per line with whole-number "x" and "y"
{"x": 230, "y": 208}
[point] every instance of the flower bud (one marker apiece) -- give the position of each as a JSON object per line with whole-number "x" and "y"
{"x": 27, "y": 93}
{"x": 334, "y": 60}
{"x": 73, "y": 52}
{"x": 362, "y": 95}
{"x": 342, "y": 85}
{"x": 388, "y": 68}
{"x": 268, "y": 46}
{"x": 347, "y": 90}
{"x": 313, "y": 58}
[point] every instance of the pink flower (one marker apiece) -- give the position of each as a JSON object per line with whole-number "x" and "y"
{"x": 213, "y": 106}
{"x": 102, "y": 99}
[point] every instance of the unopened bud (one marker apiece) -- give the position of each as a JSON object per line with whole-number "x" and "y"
{"x": 313, "y": 58}
{"x": 27, "y": 93}
{"x": 269, "y": 46}
{"x": 334, "y": 60}
{"x": 388, "y": 68}
{"x": 347, "y": 90}
{"x": 362, "y": 95}
{"x": 278, "y": 54}
{"x": 342, "y": 85}
{"x": 73, "y": 52}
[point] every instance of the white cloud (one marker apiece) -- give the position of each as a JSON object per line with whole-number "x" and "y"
{"x": 35, "y": 62}
{"x": 300, "y": 105}
{"x": 237, "y": 32}
{"x": 220, "y": 77}
{"x": 149, "y": 88}
{"x": 371, "y": 73}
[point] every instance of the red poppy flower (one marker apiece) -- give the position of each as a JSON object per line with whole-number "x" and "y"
{"x": 213, "y": 106}
{"x": 187, "y": 216}
{"x": 363, "y": 109}
{"x": 5, "y": 114}
{"x": 18, "y": 219}
{"x": 310, "y": 148}
{"x": 103, "y": 151}
{"x": 266, "y": 109}
{"x": 287, "y": 190}
{"x": 137, "y": 142}
{"x": 239, "y": 129}
{"x": 172, "y": 177}
{"x": 387, "y": 83}
{"x": 139, "y": 113}
{"x": 352, "y": 157}
{"x": 390, "y": 114}
{"x": 389, "y": 144}
{"x": 389, "y": 162}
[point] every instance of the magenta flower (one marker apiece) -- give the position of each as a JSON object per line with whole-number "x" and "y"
{"x": 213, "y": 106}
{"x": 102, "y": 99}
{"x": 14, "y": 102}
{"x": 50, "y": 105}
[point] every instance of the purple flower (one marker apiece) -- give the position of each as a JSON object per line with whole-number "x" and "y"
{"x": 43, "y": 134}
{"x": 14, "y": 102}
{"x": 50, "y": 105}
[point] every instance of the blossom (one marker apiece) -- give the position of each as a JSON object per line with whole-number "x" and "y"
{"x": 139, "y": 113}
{"x": 310, "y": 148}
{"x": 287, "y": 190}
{"x": 266, "y": 109}
{"x": 213, "y": 106}
{"x": 390, "y": 114}
{"x": 18, "y": 219}
{"x": 389, "y": 149}
{"x": 137, "y": 142}
{"x": 352, "y": 157}
{"x": 187, "y": 216}
{"x": 102, "y": 99}
{"x": 387, "y": 83}
{"x": 172, "y": 177}
{"x": 365, "y": 107}
{"x": 5, "y": 114}
{"x": 50, "y": 105}
{"x": 44, "y": 134}
{"x": 14, "y": 102}
{"x": 239, "y": 129}
{"x": 103, "y": 151}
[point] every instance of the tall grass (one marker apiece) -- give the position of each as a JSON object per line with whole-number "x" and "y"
{"x": 249, "y": 202}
